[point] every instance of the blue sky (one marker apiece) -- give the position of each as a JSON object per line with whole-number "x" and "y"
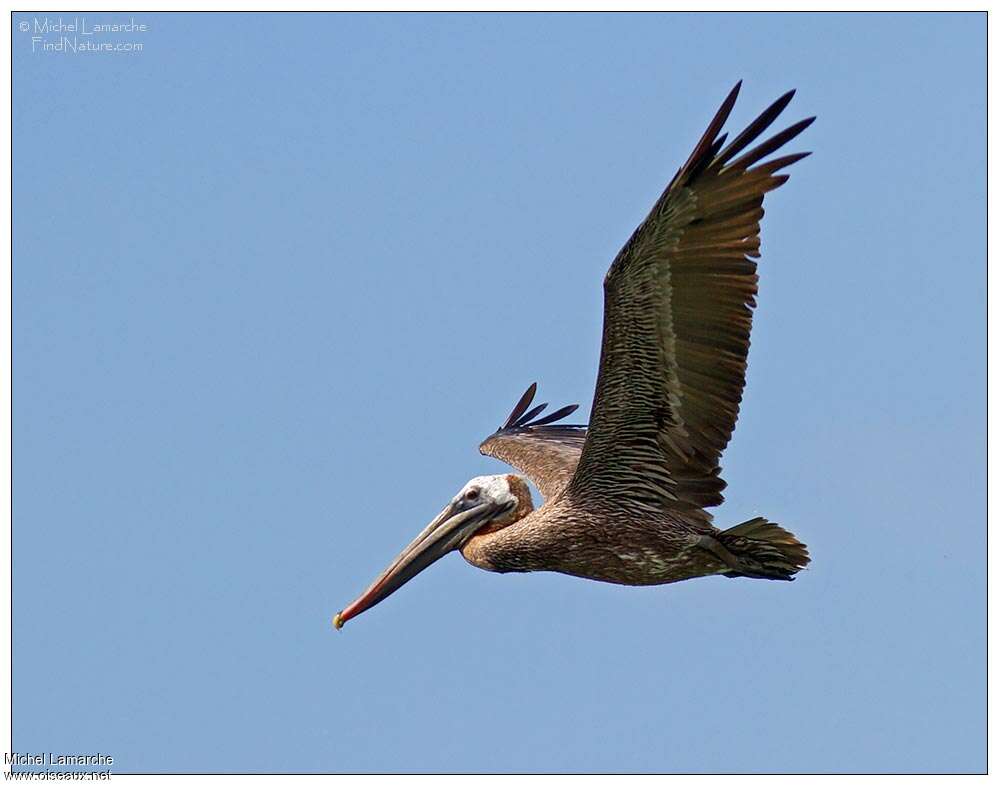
{"x": 276, "y": 276}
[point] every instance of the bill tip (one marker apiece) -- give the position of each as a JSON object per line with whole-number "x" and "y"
{"x": 338, "y": 620}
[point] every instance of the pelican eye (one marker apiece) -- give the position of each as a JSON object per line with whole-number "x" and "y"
{"x": 471, "y": 495}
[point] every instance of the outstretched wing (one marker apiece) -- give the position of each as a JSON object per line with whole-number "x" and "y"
{"x": 678, "y": 303}
{"x": 547, "y": 454}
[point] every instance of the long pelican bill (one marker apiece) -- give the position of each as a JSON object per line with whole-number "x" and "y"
{"x": 452, "y": 527}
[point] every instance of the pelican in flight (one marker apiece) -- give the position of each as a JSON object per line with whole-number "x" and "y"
{"x": 626, "y": 496}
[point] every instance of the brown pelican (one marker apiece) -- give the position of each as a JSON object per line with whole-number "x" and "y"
{"x": 625, "y": 497}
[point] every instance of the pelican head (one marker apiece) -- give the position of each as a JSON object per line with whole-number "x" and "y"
{"x": 484, "y": 505}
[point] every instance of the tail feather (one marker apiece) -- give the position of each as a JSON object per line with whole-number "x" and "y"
{"x": 764, "y": 550}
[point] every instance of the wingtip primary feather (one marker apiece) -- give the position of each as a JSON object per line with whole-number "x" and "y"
{"x": 773, "y": 143}
{"x": 521, "y": 406}
{"x": 521, "y": 417}
{"x": 558, "y": 414}
{"x": 763, "y": 121}
{"x": 707, "y": 145}
{"x": 528, "y": 416}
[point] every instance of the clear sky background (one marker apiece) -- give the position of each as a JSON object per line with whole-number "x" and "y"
{"x": 275, "y": 277}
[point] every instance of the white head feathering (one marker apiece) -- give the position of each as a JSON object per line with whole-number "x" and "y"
{"x": 493, "y": 487}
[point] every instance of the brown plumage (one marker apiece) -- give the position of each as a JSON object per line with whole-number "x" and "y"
{"x": 626, "y": 496}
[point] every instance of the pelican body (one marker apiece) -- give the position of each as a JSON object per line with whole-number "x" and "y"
{"x": 626, "y": 497}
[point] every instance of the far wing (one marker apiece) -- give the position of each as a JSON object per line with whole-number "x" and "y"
{"x": 546, "y": 453}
